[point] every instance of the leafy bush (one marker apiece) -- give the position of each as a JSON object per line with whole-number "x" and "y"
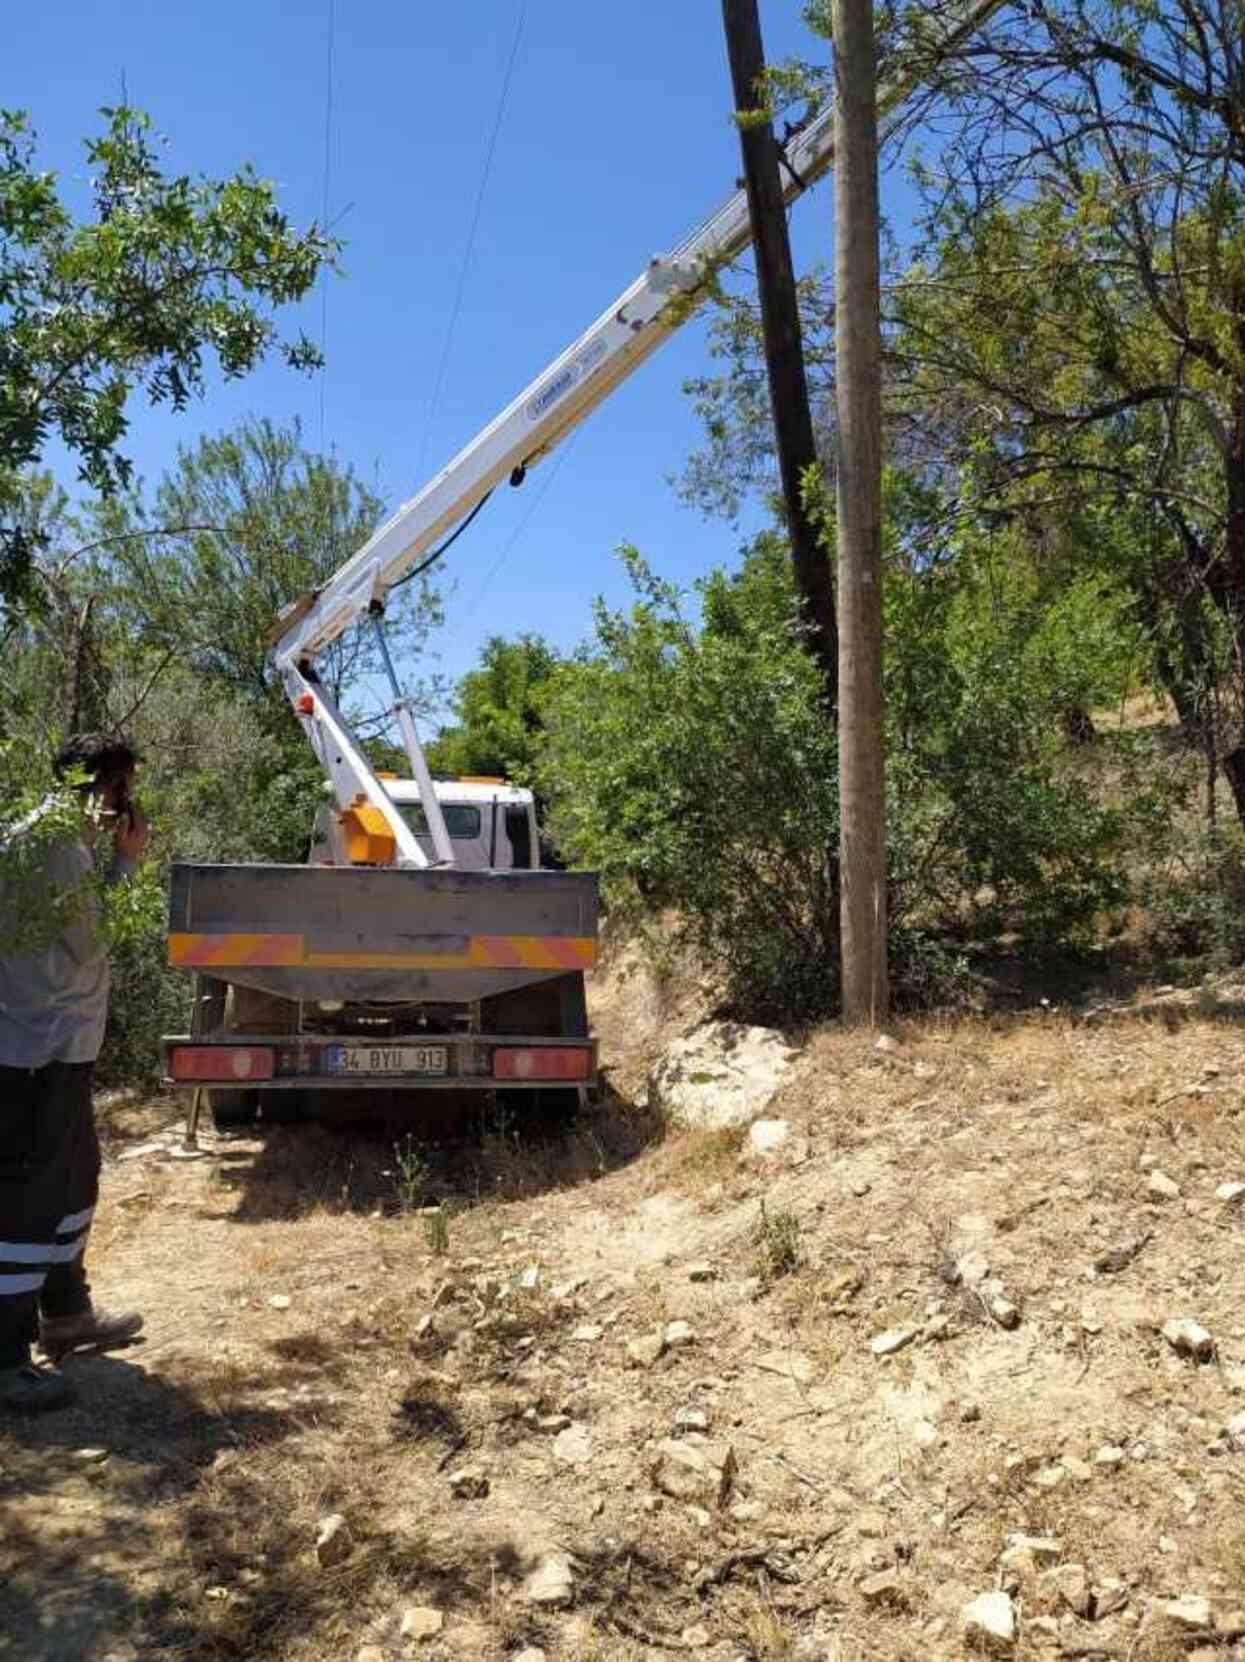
{"x": 1194, "y": 903}
{"x": 696, "y": 768}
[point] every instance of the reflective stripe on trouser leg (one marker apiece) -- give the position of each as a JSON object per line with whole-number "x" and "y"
{"x": 66, "y": 1291}
{"x": 16, "y": 1284}
{"x": 71, "y": 1234}
{"x": 45, "y": 1179}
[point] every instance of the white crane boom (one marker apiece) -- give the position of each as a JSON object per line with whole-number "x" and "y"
{"x": 542, "y": 415}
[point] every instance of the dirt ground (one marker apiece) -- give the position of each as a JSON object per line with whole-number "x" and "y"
{"x": 769, "y": 1485}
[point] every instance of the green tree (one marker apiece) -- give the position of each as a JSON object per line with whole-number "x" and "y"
{"x": 1081, "y": 307}
{"x": 243, "y": 524}
{"x": 696, "y": 769}
{"x": 167, "y": 273}
{"x": 500, "y": 710}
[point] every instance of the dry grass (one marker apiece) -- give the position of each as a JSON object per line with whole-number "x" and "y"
{"x": 240, "y": 1424}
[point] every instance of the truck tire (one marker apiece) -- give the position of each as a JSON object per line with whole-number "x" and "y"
{"x": 231, "y": 1109}
{"x": 548, "y": 1112}
{"x": 284, "y": 1107}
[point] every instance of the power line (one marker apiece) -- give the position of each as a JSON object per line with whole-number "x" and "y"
{"x": 471, "y": 237}
{"x": 324, "y": 201}
{"x": 518, "y": 531}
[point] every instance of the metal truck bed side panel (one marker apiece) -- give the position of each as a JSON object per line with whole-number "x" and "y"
{"x": 338, "y": 932}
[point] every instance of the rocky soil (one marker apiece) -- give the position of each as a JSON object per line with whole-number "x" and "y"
{"x": 938, "y": 1348}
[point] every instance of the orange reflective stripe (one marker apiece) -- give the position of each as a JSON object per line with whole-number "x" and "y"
{"x": 204, "y": 951}
{"x": 565, "y": 952}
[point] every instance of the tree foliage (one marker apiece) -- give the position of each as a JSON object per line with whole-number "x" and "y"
{"x": 244, "y": 523}
{"x": 166, "y": 275}
{"x": 500, "y": 712}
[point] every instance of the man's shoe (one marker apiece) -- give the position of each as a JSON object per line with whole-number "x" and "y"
{"x": 90, "y": 1330}
{"x": 29, "y": 1389}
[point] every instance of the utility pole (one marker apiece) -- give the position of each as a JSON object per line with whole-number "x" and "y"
{"x": 858, "y": 354}
{"x": 784, "y": 347}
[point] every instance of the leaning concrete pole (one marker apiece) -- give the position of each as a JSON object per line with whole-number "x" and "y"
{"x": 859, "y": 502}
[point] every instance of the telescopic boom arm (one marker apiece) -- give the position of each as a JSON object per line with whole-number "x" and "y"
{"x": 542, "y": 415}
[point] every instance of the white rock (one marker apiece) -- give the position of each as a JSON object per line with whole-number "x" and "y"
{"x": 588, "y": 1333}
{"x": 1025, "y": 1552}
{"x": 695, "y": 1471}
{"x": 1110, "y": 1597}
{"x": 696, "y": 1637}
{"x": 141, "y": 1151}
{"x": 1188, "y": 1338}
{"x": 333, "y": 1541}
{"x": 1071, "y": 1582}
{"x": 529, "y": 1279}
{"x": 768, "y": 1136}
{"x": 1109, "y": 1457}
{"x": 568, "y": 1288}
{"x": 90, "y": 1456}
{"x": 573, "y": 1447}
{"x": 722, "y": 1074}
{"x": 895, "y": 1338}
{"x": 679, "y": 1333}
{"x": 990, "y": 1621}
{"x": 1190, "y": 1611}
{"x": 690, "y": 1419}
{"x": 643, "y": 1352}
{"x": 421, "y": 1622}
{"x": 882, "y": 1588}
{"x": 1229, "y": 1193}
{"x": 529, "y": 1653}
{"x": 1235, "y": 1428}
{"x": 886, "y": 1044}
{"x": 972, "y": 1269}
{"x": 552, "y": 1580}
{"x": 1161, "y": 1187}
{"x": 1005, "y": 1312}
{"x": 280, "y": 1301}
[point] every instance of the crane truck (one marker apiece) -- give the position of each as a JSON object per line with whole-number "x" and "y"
{"x": 422, "y": 951}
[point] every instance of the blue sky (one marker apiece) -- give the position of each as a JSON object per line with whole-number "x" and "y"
{"x": 615, "y": 141}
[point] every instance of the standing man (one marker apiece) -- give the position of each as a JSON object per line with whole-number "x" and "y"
{"x": 53, "y": 1008}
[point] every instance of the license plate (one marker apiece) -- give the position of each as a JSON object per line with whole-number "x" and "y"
{"x": 374, "y": 1059}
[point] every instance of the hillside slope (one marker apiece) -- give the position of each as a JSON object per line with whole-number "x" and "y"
{"x": 639, "y": 1406}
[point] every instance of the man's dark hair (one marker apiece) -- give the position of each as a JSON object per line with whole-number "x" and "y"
{"x": 103, "y": 757}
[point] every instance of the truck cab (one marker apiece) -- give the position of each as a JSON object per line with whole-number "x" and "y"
{"x": 491, "y": 824}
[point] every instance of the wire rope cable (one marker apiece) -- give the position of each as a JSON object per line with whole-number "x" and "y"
{"x": 330, "y": 44}
{"x": 469, "y": 250}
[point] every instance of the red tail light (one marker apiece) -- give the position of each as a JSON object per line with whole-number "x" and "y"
{"x": 234, "y": 1064}
{"x": 542, "y": 1062}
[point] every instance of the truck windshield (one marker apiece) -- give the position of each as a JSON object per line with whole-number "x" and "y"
{"x": 462, "y": 821}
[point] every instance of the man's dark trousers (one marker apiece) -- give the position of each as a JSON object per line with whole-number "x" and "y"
{"x": 49, "y": 1181}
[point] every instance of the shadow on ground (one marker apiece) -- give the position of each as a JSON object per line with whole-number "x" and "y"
{"x": 288, "y": 1171}
{"x": 97, "y": 1549}
{"x": 188, "y": 1540}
